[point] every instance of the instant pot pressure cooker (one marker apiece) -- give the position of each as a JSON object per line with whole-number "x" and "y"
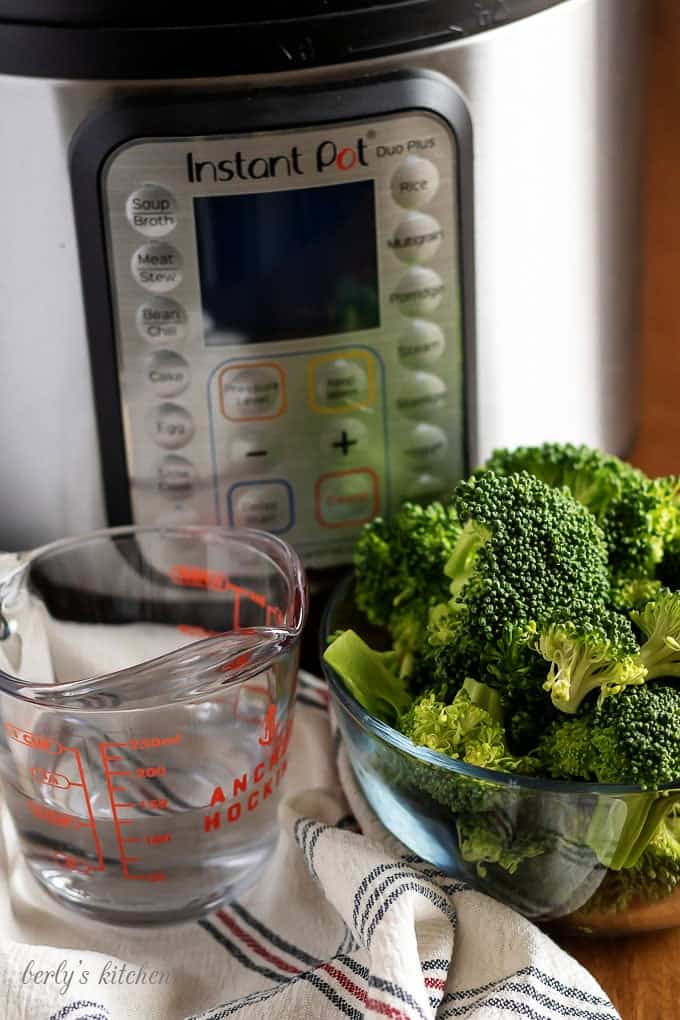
{"x": 285, "y": 270}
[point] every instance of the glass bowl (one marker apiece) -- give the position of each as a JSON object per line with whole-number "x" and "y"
{"x": 549, "y": 849}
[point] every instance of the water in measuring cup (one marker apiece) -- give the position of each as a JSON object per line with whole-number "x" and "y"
{"x": 142, "y": 840}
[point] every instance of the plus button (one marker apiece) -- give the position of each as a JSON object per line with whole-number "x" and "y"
{"x": 345, "y": 443}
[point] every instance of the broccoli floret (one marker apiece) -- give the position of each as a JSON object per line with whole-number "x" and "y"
{"x": 634, "y": 593}
{"x": 468, "y": 729}
{"x": 399, "y": 567}
{"x": 631, "y": 738}
{"x": 654, "y": 876}
{"x": 527, "y": 555}
{"x": 639, "y": 516}
{"x": 596, "y": 654}
{"x": 659, "y": 621}
{"x": 372, "y": 677}
{"x": 485, "y": 839}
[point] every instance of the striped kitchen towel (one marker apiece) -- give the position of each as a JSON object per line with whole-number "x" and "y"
{"x": 344, "y": 924}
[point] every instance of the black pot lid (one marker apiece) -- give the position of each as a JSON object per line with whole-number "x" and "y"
{"x": 114, "y": 39}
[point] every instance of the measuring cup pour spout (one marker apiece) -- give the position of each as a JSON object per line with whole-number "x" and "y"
{"x": 104, "y": 621}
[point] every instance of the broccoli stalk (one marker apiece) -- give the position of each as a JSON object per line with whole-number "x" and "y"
{"x": 371, "y": 677}
{"x": 597, "y": 655}
{"x": 659, "y": 621}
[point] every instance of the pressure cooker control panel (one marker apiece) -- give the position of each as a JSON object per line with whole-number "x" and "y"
{"x": 288, "y": 325}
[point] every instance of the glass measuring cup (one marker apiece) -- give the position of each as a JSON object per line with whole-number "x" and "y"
{"x": 147, "y": 684}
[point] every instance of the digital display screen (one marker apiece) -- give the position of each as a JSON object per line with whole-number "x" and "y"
{"x": 283, "y": 265}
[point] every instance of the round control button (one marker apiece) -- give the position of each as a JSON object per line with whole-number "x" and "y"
{"x": 346, "y": 438}
{"x": 339, "y": 383}
{"x": 152, "y": 210}
{"x": 161, "y": 320}
{"x": 418, "y": 292}
{"x": 421, "y": 343}
{"x": 425, "y": 445}
{"x": 167, "y": 373}
{"x": 425, "y": 487}
{"x": 249, "y": 393}
{"x": 176, "y": 476}
{"x": 266, "y": 506}
{"x": 170, "y": 425}
{"x": 255, "y": 450}
{"x": 417, "y": 238}
{"x": 414, "y": 182}
{"x": 422, "y": 395}
{"x": 157, "y": 267}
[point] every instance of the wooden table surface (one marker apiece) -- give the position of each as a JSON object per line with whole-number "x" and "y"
{"x": 642, "y": 974}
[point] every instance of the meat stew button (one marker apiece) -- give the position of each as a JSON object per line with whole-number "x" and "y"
{"x": 157, "y": 266}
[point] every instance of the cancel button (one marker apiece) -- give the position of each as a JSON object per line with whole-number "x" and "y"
{"x": 167, "y": 373}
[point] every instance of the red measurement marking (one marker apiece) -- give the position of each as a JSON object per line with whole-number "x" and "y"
{"x": 48, "y": 778}
{"x": 120, "y": 772}
{"x": 35, "y": 740}
{"x": 125, "y": 859}
{"x": 269, "y": 727}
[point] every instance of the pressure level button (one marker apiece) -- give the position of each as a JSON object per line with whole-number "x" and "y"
{"x": 414, "y": 182}
{"x": 161, "y": 320}
{"x": 152, "y": 210}
{"x": 157, "y": 267}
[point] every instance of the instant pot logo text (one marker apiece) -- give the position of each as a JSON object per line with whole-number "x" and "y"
{"x": 328, "y": 155}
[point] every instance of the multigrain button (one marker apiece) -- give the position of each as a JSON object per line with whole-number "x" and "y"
{"x": 152, "y": 210}
{"x": 176, "y": 476}
{"x": 417, "y": 238}
{"x": 422, "y": 395}
{"x": 421, "y": 343}
{"x": 414, "y": 182}
{"x": 419, "y": 292}
{"x": 170, "y": 425}
{"x": 161, "y": 320}
{"x": 167, "y": 373}
{"x": 157, "y": 267}
{"x": 425, "y": 445}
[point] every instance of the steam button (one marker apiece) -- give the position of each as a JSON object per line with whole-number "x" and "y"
{"x": 170, "y": 425}
{"x": 414, "y": 182}
{"x": 152, "y": 210}
{"x": 421, "y": 343}
{"x": 167, "y": 373}
{"x": 157, "y": 267}
{"x": 161, "y": 320}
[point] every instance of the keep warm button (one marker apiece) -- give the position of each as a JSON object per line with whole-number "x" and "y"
{"x": 346, "y": 498}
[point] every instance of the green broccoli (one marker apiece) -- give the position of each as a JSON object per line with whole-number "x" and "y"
{"x": 399, "y": 567}
{"x": 659, "y": 621}
{"x": 527, "y": 555}
{"x": 640, "y": 517}
{"x": 634, "y": 593}
{"x": 372, "y": 677}
{"x": 597, "y": 654}
{"x": 631, "y": 738}
{"x": 654, "y": 876}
